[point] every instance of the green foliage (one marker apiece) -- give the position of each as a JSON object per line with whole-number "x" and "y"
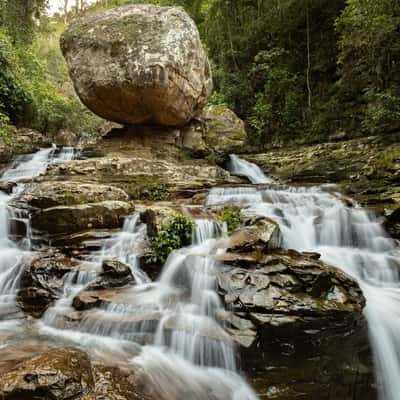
{"x": 6, "y": 129}
{"x": 173, "y": 235}
{"x": 278, "y": 105}
{"x": 382, "y": 113}
{"x": 231, "y": 216}
{"x": 369, "y": 45}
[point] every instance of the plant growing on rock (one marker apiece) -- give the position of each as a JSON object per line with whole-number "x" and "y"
{"x": 173, "y": 235}
{"x": 231, "y": 216}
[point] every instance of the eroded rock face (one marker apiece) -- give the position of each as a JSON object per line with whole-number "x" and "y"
{"x": 216, "y": 131}
{"x": 139, "y": 63}
{"x": 57, "y": 374}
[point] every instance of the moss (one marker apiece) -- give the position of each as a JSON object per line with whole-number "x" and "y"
{"x": 71, "y": 199}
{"x": 219, "y": 109}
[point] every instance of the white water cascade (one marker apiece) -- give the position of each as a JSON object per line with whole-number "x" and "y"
{"x": 11, "y": 255}
{"x": 247, "y": 169}
{"x": 318, "y": 219}
{"x": 170, "y": 323}
{"x": 29, "y": 166}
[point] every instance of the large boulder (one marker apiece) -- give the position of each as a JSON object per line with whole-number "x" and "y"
{"x": 139, "y": 64}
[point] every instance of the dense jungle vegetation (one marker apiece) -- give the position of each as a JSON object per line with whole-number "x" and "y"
{"x": 295, "y": 70}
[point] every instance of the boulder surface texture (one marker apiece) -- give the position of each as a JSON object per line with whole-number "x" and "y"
{"x": 139, "y": 64}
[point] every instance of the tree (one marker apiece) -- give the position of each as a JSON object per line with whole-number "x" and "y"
{"x": 65, "y": 11}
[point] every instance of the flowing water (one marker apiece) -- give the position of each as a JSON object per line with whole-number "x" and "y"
{"x": 170, "y": 327}
{"x": 319, "y": 219}
{"x": 171, "y": 322}
{"x": 11, "y": 255}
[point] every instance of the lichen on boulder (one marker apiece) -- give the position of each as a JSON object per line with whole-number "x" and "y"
{"x": 139, "y": 64}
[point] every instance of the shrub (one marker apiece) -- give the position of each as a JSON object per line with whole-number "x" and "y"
{"x": 173, "y": 235}
{"x": 231, "y": 216}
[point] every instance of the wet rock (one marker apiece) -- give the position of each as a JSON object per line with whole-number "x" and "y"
{"x": 286, "y": 288}
{"x": 155, "y": 216}
{"x": 257, "y": 234}
{"x": 58, "y": 374}
{"x": 113, "y": 274}
{"x": 24, "y": 141}
{"x": 52, "y": 194}
{"x": 63, "y": 220}
{"x": 299, "y": 326}
{"x": 7, "y": 186}
{"x": 42, "y": 282}
{"x": 216, "y": 131}
{"x": 87, "y": 299}
{"x": 17, "y": 228}
{"x": 113, "y": 383}
{"x": 392, "y": 224}
{"x": 139, "y": 63}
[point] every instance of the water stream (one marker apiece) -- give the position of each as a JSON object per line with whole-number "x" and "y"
{"x": 347, "y": 236}
{"x": 11, "y": 254}
{"x": 169, "y": 327}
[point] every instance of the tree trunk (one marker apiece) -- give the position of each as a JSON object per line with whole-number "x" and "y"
{"x": 308, "y": 60}
{"x": 65, "y": 11}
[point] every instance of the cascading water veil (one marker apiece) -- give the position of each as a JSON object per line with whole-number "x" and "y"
{"x": 316, "y": 219}
{"x": 11, "y": 255}
{"x": 171, "y": 329}
{"x": 174, "y": 318}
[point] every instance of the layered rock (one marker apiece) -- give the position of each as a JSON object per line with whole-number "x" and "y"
{"x": 299, "y": 325}
{"x": 138, "y": 64}
{"x": 143, "y": 177}
{"x": 68, "y": 193}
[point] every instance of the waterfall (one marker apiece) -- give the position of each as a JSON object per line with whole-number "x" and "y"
{"x": 11, "y": 254}
{"x": 317, "y": 219}
{"x": 173, "y": 318}
{"x": 29, "y": 166}
{"x": 247, "y": 169}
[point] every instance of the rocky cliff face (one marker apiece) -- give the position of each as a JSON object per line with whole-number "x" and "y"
{"x": 138, "y": 64}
